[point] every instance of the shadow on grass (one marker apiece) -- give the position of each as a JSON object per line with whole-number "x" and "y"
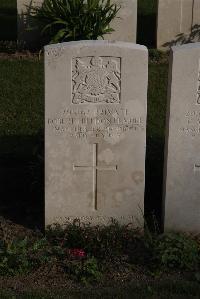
{"x": 22, "y": 180}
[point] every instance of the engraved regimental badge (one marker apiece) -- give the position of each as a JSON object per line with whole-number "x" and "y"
{"x": 96, "y": 80}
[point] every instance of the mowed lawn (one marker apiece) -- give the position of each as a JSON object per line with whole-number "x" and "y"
{"x": 21, "y": 96}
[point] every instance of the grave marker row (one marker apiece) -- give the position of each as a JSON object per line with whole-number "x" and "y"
{"x": 125, "y": 24}
{"x": 96, "y": 97}
{"x": 178, "y": 22}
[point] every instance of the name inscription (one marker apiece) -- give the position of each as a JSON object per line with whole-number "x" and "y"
{"x": 97, "y": 122}
{"x": 192, "y": 123}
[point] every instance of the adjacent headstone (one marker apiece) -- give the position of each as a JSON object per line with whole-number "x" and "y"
{"x": 125, "y": 24}
{"x": 196, "y": 13}
{"x": 177, "y": 21}
{"x": 96, "y": 97}
{"x": 182, "y": 156}
{"x": 29, "y": 37}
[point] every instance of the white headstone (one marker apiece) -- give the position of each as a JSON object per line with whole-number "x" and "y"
{"x": 175, "y": 22}
{"x": 182, "y": 156}
{"x": 96, "y": 97}
{"x": 125, "y": 24}
{"x": 196, "y": 13}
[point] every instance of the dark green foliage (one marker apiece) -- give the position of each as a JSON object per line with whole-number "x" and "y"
{"x": 14, "y": 258}
{"x": 85, "y": 252}
{"x": 69, "y": 20}
{"x": 178, "y": 251}
{"x": 23, "y": 255}
{"x": 158, "y": 56}
{"x": 85, "y": 271}
{"x": 105, "y": 242}
{"x": 108, "y": 243}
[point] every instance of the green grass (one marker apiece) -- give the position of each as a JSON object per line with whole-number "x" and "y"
{"x": 157, "y": 92}
{"x": 21, "y": 97}
{"x": 8, "y": 19}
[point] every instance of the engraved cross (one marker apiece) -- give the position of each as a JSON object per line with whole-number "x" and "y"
{"x": 95, "y": 168}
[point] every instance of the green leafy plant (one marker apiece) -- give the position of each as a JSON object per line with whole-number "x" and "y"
{"x": 68, "y": 20}
{"x": 14, "y": 257}
{"x": 86, "y": 270}
{"x": 177, "y": 251}
{"x": 100, "y": 241}
{"x": 22, "y": 256}
{"x": 158, "y": 57}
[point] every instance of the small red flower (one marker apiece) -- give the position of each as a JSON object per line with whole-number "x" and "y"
{"x": 77, "y": 253}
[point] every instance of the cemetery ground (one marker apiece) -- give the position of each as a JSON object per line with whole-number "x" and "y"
{"x": 80, "y": 261}
{"x": 68, "y": 263}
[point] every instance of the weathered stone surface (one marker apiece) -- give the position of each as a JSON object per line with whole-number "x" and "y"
{"x": 32, "y": 37}
{"x": 96, "y": 93}
{"x": 176, "y": 21}
{"x": 182, "y": 158}
{"x": 196, "y": 13}
{"x": 125, "y": 25}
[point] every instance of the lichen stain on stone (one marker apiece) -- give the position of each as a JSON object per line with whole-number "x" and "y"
{"x": 106, "y": 156}
{"x": 138, "y": 177}
{"x": 121, "y": 196}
